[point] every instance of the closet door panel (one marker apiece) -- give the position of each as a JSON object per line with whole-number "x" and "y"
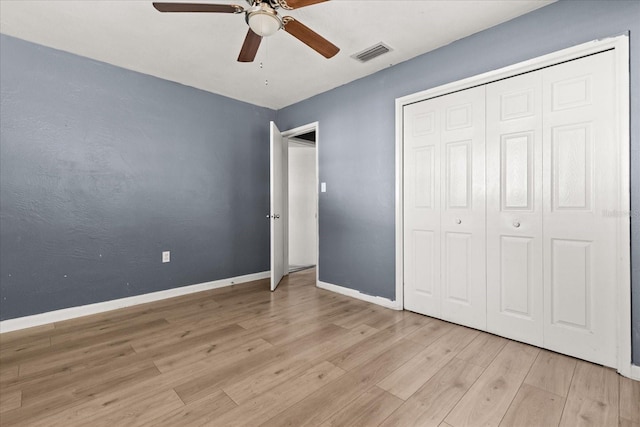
{"x": 514, "y": 208}
{"x": 463, "y": 208}
{"x": 422, "y": 207}
{"x": 580, "y": 198}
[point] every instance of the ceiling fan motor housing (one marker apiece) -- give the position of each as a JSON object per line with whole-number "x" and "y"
{"x": 263, "y": 19}
{"x": 273, "y": 3}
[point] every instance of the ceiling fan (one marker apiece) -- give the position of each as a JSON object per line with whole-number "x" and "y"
{"x": 263, "y": 20}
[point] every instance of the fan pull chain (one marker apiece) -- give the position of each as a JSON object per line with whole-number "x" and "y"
{"x": 266, "y": 81}
{"x": 266, "y": 52}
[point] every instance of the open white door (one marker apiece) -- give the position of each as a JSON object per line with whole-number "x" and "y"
{"x": 276, "y": 207}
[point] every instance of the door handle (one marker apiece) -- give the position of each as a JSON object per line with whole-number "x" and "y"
{"x": 458, "y": 221}
{"x": 276, "y": 216}
{"x": 516, "y": 224}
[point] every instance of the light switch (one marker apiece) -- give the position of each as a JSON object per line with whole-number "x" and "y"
{"x": 166, "y": 256}
{"x": 323, "y": 187}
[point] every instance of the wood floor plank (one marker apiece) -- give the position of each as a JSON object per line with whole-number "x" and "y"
{"x": 624, "y": 422}
{"x": 595, "y": 382}
{"x": 141, "y": 388}
{"x": 431, "y": 332}
{"x": 8, "y": 373}
{"x": 199, "y": 413}
{"x": 121, "y": 413}
{"x": 69, "y": 360}
{"x": 412, "y": 375}
{"x": 279, "y": 334}
{"x": 50, "y": 403}
{"x": 483, "y": 349}
{"x": 183, "y": 337}
{"x": 35, "y": 332}
{"x": 593, "y": 397}
{"x": 369, "y": 409}
{"x": 72, "y": 371}
{"x": 630, "y": 399}
{"x": 272, "y": 375}
{"x": 322, "y": 404}
{"x": 409, "y": 324}
{"x": 90, "y": 384}
{"x": 24, "y": 346}
{"x": 533, "y": 407}
{"x": 385, "y": 319}
{"x": 144, "y": 387}
{"x": 10, "y": 400}
{"x": 348, "y": 313}
{"x": 44, "y": 409}
{"x": 197, "y": 388}
{"x": 282, "y": 397}
{"x": 293, "y": 313}
{"x": 552, "y": 372}
{"x": 367, "y": 349}
{"x": 242, "y": 390}
{"x": 219, "y": 363}
{"x": 64, "y": 334}
{"x": 431, "y": 404}
{"x": 89, "y": 326}
{"x": 301, "y": 314}
{"x": 363, "y": 351}
{"x": 489, "y": 398}
{"x": 581, "y": 411}
{"x": 370, "y": 314}
{"x": 190, "y": 356}
{"x": 115, "y": 337}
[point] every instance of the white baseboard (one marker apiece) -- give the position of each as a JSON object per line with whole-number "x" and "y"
{"x": 385, "y": 302}
{"x": 100, "y": 307}
{"x": 635, "y": 372}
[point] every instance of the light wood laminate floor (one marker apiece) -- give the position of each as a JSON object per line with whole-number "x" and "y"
{"x": 300, "y": 356}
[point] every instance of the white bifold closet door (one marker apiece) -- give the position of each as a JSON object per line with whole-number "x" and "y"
{"x": 545, "y": 272}
{"x": 444, "y": 205}
{"x": 514, "y": 208}
{"x": 552, "y": 192}
{"x": 581, "y": 192}
{"x": 422, "y": 122}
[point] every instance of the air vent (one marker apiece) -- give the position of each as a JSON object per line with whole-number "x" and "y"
{"x": 372, "y": 52}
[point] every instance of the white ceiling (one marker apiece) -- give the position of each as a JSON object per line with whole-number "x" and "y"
{"x": 200, "y": 50}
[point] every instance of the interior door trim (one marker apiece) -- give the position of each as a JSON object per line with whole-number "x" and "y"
{"x": 620, "y": 46}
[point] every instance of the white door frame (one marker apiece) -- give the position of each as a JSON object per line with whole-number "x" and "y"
{"x": 290, "y": 134}
{"x": 620, "y": 45}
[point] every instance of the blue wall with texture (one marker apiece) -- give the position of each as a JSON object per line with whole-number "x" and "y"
{"x": 101, "y": 169}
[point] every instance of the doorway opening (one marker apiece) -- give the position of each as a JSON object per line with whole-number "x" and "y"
{"x": 295, "y": 243}
{"x": 302, "y": 197}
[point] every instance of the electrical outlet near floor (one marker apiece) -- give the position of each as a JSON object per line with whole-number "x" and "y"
{"x": 166, "y": 256}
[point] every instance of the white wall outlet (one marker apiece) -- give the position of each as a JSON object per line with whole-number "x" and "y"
{"x": 323, "y": 187}
{"x": 166, "y": 256}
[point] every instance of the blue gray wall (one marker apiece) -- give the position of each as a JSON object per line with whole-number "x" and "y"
{"x": 101, "y": 169}
{"x": 356, "y": 147}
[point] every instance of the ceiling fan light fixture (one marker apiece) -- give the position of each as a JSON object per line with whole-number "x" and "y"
{"x": 263, "y": 20}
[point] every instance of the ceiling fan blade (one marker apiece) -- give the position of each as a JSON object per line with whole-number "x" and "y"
{"x": 198, "y": 7}
{"x": 249, "y": 47}
{"x": 309, "y": 37}
{"x": 297, "y": 4}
